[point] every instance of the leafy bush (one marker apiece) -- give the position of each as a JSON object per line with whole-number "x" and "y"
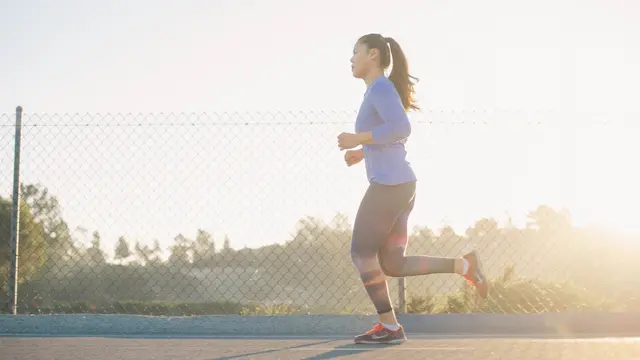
{"x": 510, "y": 294}
{"x": 420, "y": 304}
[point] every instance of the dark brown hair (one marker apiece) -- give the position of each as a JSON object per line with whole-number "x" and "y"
{"x": 400, "y": 70}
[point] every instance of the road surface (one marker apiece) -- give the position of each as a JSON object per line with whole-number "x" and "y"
{"x": 221, "y": 348}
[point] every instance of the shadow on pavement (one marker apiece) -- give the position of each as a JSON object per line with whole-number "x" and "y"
{"x": 273, "y": 350}
{"x": 347, "y": 350}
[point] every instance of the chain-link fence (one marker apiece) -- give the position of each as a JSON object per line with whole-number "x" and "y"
{"x": 251, "y": 214}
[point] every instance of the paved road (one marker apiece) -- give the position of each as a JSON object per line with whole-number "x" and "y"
{"x": 98, "y": 348}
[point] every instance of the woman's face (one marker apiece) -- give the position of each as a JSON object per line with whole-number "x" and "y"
{"x": 363, "y": 60}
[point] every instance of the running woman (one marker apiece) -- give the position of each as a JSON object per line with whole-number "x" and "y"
{"x": 380, "y": 232}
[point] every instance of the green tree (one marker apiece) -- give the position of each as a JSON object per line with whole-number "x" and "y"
{"x": 341, "y": 222}
{"x": 155, "y": 253}
{"x": 57, "y": 235}
{"x": 421, "y": 240}
{"x": 181, "y": 251}
{"x": 94, "y": 255}
{"x": 146, "y": 254}
{"x": 449, "y": 243}
{"x": 485, "y": 234}
{"x": 226, "y": 245}
{"x": 122, "y": 251}
{"x": 204, "y": 249}
{"x": 548, "y": 221}
{"x": 32, "y": 246}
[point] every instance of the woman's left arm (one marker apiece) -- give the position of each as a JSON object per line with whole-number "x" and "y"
{"x": 396, "y": 124}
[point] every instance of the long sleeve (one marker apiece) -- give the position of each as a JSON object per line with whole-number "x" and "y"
{"x": 387, "y": 103}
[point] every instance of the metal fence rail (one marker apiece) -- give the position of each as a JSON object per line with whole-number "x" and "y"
{"x": 251, "y": 214}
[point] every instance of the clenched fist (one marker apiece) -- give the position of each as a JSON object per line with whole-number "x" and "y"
{"x": 348, "y": 141}
{"x": 352, "y": 157}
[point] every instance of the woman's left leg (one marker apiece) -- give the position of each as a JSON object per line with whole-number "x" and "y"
{"x": 380, "y": 208}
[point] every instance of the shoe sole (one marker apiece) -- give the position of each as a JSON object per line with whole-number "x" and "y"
{"x": 391, "y": 342}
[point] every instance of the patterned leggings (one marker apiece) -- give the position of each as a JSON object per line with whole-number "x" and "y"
{"x": 379, "y": 242}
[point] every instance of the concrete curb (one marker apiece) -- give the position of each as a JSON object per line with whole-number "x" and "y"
{"x": 556, "y": 324}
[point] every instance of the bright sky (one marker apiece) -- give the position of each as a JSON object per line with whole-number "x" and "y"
{"x": 572, "y": 66}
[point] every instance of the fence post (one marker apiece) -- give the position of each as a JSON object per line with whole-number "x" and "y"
{"x": 15, "y": 218}
{"x": 402, "y": 296}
